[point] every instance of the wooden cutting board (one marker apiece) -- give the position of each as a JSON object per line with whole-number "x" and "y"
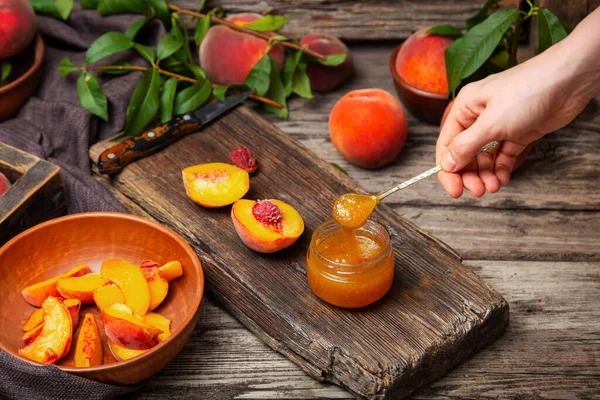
{"x": 436, "y": 314}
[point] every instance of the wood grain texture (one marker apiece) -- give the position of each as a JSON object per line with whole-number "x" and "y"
{"x": 37, "y": 193}
{"x": 436, "y": 313}
{"x": 571, "y": 12}
{"x": 553, "y": 304}
{"x": 543, "y": 354}
{"x": 354, "y": 20}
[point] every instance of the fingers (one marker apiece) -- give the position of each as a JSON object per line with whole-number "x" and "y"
{"x": 464, "y": 147}
{"x": 486, "y": 167}
{"x": 472, "y": 181}
{"x": 506, "y": 159}
{"x": 452, "y": 183}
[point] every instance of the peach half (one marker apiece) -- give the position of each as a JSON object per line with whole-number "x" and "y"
{"x": 158, "y": 287}
{"x": 88, "y": 351}
{"x": 125, "y": 328}
{"x": 266, "y": 226}
{"x": 131, "y": 280}
{"x": 80, "y": 287}
{"x": 215, "y": 184}
{"x": 36, "y": 294}
{"x": 54, "y": 340}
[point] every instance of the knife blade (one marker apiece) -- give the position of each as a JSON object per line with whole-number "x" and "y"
{"x": 114, "y": 159}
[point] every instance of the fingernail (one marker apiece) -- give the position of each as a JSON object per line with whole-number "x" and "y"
{"x": 448, "y": 163}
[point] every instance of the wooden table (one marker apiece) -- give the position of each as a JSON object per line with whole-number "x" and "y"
{"x": 537, "y": 242}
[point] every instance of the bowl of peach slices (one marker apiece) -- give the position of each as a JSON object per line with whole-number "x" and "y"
{"x": 107, "y": 296}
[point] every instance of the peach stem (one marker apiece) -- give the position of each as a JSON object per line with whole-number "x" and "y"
{"x": 177, "y": 76}
{"x": 236, "y": 27}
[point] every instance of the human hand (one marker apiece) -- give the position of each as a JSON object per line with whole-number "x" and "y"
{"x": 515, "y": 107}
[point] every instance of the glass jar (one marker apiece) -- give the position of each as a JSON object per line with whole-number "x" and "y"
{"x": 346, "y": 280}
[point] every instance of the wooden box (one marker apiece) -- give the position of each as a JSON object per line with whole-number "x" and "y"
{"x": 37, "y": 193}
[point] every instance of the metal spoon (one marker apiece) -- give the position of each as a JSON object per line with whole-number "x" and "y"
{"x": 362, "y": 205}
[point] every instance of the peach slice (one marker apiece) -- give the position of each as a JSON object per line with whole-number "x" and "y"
{"x": 80, "y": 287}
{"x": 108, "y": 295}
{"x": 125, "y": 328}
{"x": 37, "y": 317}
{"x": 158, "y": 287}
{"x": 73, "y": 305}
{"x": 266, "y": 226}
{"x": 88, "y": 351}
{"x": 54, "y": 341}
{"x": 32, "y": 334}
{"x": 131, "y": 281}
{"x": 36, "y": 294}
{"x": 171, "y": 270}
{"x": 152, "y": 319}
{"x": 215, "y": 184}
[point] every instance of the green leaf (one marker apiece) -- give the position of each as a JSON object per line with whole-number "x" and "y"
{"x": 445, "y": 30}
{"x": 342, "y": 170}
{"x": 89, "y": 4}
{"x": 108, "y": 7}
{"x": 219, "y": 92}
{"x": 144, "y": 102}
{"x": 107, "y": 44}
{"x": 183, "y": 54}
{"x": 301, "y": 83}
{"x": 267, "y": 23}
{"x": 197, "y": 70}
{"x": 91, "y": 96}
{"x": 189, "y": 99}
{"x": 145, "y": 52}
{"x": 65, "y": 67}
{"x": 59, "y": 8}
{"x": 201, "y": 4}
{"x": 276, "y": 92}
{"x": 202, "y": 27}
{"x": 481, "y": 14}
{"x": 469, "y": 52}
{"x": 161, "y": 10}
{"x": 167, "y": 99}
{"x": 133, "y": 30}
{"x": 276, "y": 38}
{"x": 550, "y": 30}
{"x": 260, "y": 75}
{"x": 289, "y": 69}
{"x": 121, "y": 63}
{"x": 500, "y": 59}
{"x": 168, "y": 45}
{"x": 5, "y": 68}
{"x": 333, "y": 60}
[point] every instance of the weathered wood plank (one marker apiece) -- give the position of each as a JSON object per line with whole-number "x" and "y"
{"x": 354, "y": 20}
{"x": 571, "y": 12}
{"x": 551, "y": 348}
{"x": 561, "y": 173}
{"x": 443, "y": 312}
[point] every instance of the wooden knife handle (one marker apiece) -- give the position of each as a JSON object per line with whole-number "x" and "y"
{"x": 114, "y": 159}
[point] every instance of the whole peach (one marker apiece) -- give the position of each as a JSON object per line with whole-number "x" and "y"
{"x": 368, "y": 127}
{"x": 17, "y": 26}
{"x": 421, "y": 61}
{"x": 323, "y": 78}
{"x": 4, "y": 184}
{"x": 228, "y": 55}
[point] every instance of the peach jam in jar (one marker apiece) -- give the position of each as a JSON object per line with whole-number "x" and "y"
{"x": 350, "y": 268}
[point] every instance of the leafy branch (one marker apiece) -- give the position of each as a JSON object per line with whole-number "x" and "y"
{"x": 490, "y": 43}
{"x": 172, "y": 84}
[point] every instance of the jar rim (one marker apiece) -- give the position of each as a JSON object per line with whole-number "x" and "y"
{"x": 386, "y": 245}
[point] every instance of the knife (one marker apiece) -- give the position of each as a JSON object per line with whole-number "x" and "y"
{"x": 117, "y": 157}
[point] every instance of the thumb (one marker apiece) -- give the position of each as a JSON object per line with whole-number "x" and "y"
{"x": 465, "y": 146}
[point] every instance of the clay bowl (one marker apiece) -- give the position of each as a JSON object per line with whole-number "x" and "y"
{"x": 27, "y": 66}
{"x": 53, "y": 247}
{"x": 426, "y": 106}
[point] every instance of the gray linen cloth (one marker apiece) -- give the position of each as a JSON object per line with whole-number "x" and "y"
{"x": 53, "y": 126}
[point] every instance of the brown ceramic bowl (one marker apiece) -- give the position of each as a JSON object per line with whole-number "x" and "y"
{"x": 426, "y": 106}
{"x": 27, "y": 65}
{"x": 54, "y": 247}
